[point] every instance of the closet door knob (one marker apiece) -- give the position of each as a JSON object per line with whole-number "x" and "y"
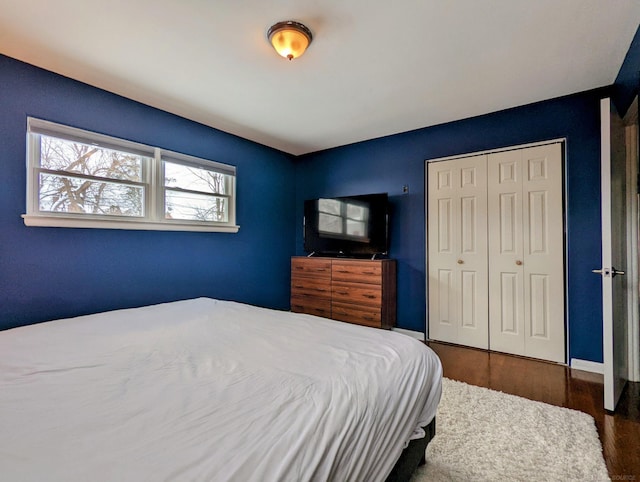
{"x": 460, "y": 261}
{"x": 519, "y": 263}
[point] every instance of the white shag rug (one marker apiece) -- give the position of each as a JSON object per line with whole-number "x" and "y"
{"x": 485, "y": 435}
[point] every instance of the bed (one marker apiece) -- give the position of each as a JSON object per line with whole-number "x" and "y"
{"x": 206, "y": 389}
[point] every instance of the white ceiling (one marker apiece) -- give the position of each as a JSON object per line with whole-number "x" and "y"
{"x": 374, "y": 68}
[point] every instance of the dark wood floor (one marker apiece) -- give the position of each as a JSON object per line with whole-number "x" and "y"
{"x": 557, "y": 385}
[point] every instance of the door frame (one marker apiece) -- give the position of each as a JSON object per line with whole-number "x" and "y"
{"x": 563, "y": 142}
{"x": 614, "y": 379}
{"x": 630, "y": 121}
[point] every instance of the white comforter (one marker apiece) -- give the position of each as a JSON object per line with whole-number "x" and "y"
{"x": 209, "y": 390}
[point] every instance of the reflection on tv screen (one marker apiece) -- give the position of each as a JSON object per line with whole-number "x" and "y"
{"x": 343, "y": 219}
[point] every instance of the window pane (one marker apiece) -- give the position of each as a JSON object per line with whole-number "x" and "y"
{"x": 63, "y": 155}
{"x": 68, "y": 194}
{"x": 329, "y": 206}
{"x": 329, "y": 224}
{"x": 195, "y": 207}
{"x": 357, "y": 211}
{"x": 357, "y": 229}
{"x": 194, "y": 179}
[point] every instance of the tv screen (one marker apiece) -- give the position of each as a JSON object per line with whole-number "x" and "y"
{"x": 349, "y": 226}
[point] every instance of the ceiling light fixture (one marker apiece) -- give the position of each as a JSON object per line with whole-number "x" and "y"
{"x": 289, "y": 38}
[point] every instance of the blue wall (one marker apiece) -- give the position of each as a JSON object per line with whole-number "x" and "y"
{"x": 48, "y": 273}
{"x": 386, "y": 164}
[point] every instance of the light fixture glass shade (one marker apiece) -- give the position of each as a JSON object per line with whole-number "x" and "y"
{"x": 290, "y": 39}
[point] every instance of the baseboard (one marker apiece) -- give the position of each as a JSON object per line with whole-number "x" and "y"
{"x": 587, "y": 366}
{"x": 418, "y": 335}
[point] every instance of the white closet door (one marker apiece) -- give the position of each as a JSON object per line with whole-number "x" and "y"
{"x": 457, "y": 219}
{"x": 526, "y": 275}
{"x": 506, "y": 272}
{"x": 543, "y": 253}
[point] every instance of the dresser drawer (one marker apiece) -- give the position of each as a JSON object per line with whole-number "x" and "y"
{"x": 311, "y": 306}
{"x": 316, "y": 267}
{"x": 357, "y": 293}
{"x": 369, "y": 272}
{"x": 316, "y": 287}
{"x": 362, "y": 315}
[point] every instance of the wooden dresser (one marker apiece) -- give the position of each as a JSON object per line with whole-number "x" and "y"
{"x": 352, "y": 290}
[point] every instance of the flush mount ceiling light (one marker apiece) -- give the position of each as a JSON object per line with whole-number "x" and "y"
{"x": 289, "y": 38}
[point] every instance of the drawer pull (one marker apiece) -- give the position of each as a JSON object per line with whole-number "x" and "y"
{"x": 343, "y": 293}
{"x": 321, "y": 290}
{"x": 343, "y": 271}
{"x": 371, "y": 297}
{"x": 368, "y": 272}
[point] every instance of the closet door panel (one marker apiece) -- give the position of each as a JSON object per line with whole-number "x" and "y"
{"x": 442, "y": 236}
{"x": 472, "y": 260}
{"x": 457, "y": 253}
{"x": 509, "y": 305}
{"x": 543, "y": 253}
{"x": 539, "y": 306}
{"x": 506, "y": 284}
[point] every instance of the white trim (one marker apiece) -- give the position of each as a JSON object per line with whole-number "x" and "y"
{"x": 561, "y": 140}
{"x": 587, "y": 366}
{"x": 52, "y": 129}
{"x": 565, "y": 240}
{"x": 137, "y": 224}
{"x": 155, "y": 178}
{"x": 607, "y": 290}
{"x": 187, "y": 160}
{"x": 418, "y": 335}
{"x": 631, "y": 132}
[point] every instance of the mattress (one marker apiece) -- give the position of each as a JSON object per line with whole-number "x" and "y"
{"x": 206, "y": 389}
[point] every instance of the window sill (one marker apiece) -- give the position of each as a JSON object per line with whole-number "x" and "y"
{"x": 137, "y": 225}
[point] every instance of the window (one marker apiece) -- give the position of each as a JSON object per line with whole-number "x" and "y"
{"x": 78, "y": 178}
{"x": 194, "y": 193}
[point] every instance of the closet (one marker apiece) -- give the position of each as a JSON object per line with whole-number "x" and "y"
{"x": 496, "y": 251}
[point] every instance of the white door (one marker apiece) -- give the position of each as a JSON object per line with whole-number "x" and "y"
{"x": 457, "y": 251}
{"x": 614, "y": 248}
{"x": 506, "y": 255}
{"x": 543, "y": 262}
{"x": 526, "y": 260}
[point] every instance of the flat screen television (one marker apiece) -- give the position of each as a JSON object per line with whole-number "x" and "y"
{"x": 355, "y": 226}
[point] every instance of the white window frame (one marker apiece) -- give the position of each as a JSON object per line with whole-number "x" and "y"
{"x": 152, "y": 180}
